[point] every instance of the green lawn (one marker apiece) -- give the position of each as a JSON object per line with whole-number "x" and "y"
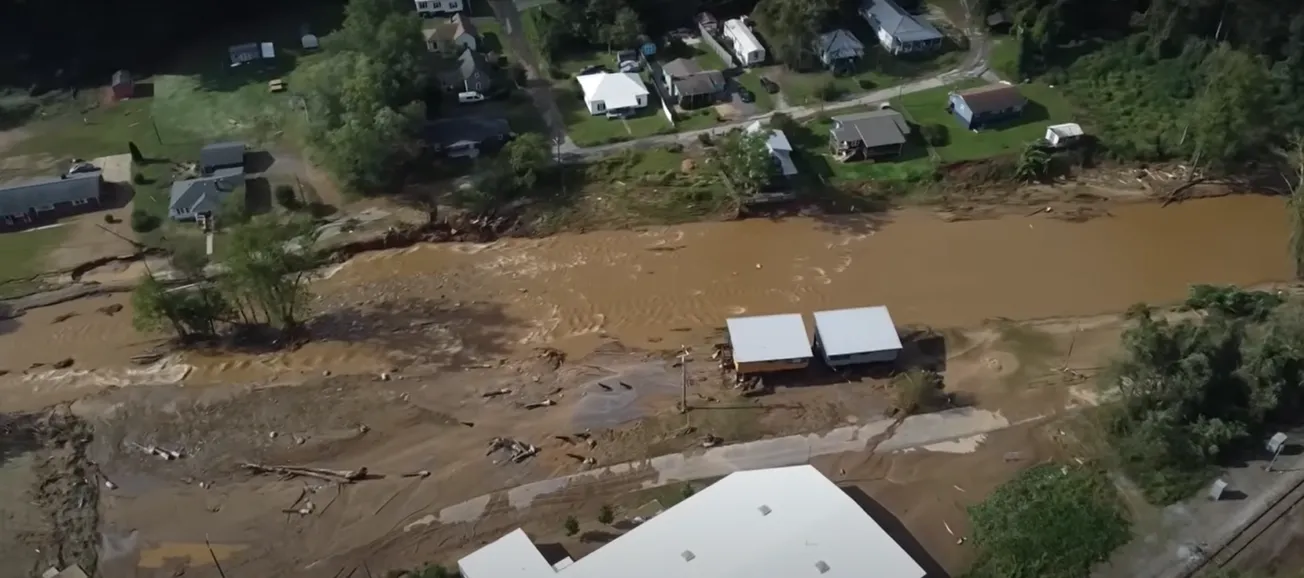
{"x": 876, "y": 70}
{"x": 812, "y": 139}
{"x": 696, "y": 119}
{"x": 1004, "y": 57}
{"x": 590, "y": 130}
{"x": 751, "y": 80}
{"x": 21, "y": 253}
{"x": 1046, "y": 106}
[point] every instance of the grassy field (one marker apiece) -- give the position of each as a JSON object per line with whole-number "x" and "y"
{"x": 1046, "y": 106}
{"x": 875, "y": 71}
{"x": 1004, "y": 57}
{"x": 20, "y": 254}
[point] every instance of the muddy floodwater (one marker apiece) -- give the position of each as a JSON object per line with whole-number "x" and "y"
{"x": 665, "y": 286}
{"x": 643, "y": 287}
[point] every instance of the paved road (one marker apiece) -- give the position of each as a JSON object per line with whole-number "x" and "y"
{"x": 536, "y": 74}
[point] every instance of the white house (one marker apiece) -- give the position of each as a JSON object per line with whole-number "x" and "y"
{"x": 779, "y": 147}
{"x": 773, "y": 523}
{"x": 838, "y": 46}
{"x": 745, "y": 45}
{"x": 433, "y": 8}
{"x": 606, "y": 92}
{"x": 1062, "y": 135}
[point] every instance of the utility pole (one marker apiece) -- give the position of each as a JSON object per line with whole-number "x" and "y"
{"x": 683, "y": 380}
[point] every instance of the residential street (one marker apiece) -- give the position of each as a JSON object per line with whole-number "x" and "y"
{"x": 973, "y": 66}
{"x": 536, "y": 74}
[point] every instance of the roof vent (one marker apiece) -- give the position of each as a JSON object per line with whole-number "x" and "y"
{"x": 688, "y": 555}
{"x": 765, "y": 510}
{"x": 822, "y": 567}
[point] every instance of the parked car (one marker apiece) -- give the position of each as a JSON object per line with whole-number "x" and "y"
{"x": 592, "y": 69}
{"x": 770, "y": 86}
{"x": 469, "y": 97}
{"x": 624, "y": 56}
{"x": 746, "y": 95}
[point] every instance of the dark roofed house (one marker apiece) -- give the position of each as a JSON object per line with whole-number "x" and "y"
{"x": 202, "y": 197}
{"x": 222, "y": 155}
{"x": 467, "y": 136}
{"x": 24, "y": 203}
{"x": 470, "y": 75}
{"x": 691, "y": 86}
{"x": 868, "y": 134}
{"x": 979, "y": 107}
{"x": 897, "y": 30}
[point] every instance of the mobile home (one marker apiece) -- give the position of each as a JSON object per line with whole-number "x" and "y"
{"x": 745, "y": 45}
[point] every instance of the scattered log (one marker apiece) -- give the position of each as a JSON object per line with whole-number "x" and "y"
{"x": 337, "y": 476}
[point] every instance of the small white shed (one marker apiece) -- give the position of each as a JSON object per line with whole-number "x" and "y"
{"x": 1062, "y": 135}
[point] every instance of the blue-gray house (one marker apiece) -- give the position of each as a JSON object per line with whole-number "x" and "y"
{"x": 202, "y": 197}
{"x": 978, "y": 107}
{"x": 898, "y": 31}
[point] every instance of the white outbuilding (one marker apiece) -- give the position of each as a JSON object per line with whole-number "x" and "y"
{"x": 613, "y": 92}
{"x": 1062, "y": 135}
{"x": 861, "y": 335}
{"x": 771, "y": 523}
{"x": 765, "y": 343}
{"x": 745, "y": 45}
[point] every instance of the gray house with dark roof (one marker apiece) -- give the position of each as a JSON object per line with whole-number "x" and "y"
{"x": 868, "y": 134}
{"x": 899, "y": 32}
{"x": 471, "y": 74}
{"x": 691, "y": 86}
{"x": 24, "y": 203}
{"x": 202, "y": 197}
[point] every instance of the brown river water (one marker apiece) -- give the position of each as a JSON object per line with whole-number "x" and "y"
{"x": 663, "y": 286}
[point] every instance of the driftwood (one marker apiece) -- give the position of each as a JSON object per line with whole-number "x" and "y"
{"x": 1175, "y": 195}
{"x": 338, "y": 476}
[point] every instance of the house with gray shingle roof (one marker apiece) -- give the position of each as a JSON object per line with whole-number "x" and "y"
{"x": 24, "y": 203}
{"x": 899, "y": 31}
{"x": 471, "y": 74}
{"x": 202, "y": 197}
{"x": 869, "y": 134}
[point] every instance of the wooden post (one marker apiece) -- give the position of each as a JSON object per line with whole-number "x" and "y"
{"x": 683, "y": 381}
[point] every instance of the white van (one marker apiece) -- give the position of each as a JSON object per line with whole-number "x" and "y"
{"x": 469, "y": 97}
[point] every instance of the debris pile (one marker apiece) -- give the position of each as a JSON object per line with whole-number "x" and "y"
{"x": 520, "y": 451}
{"x": 337, "y": 476}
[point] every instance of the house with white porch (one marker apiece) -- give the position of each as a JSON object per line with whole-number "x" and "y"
{"x": 433, "y": 8}
{"x": 613, "y": 92}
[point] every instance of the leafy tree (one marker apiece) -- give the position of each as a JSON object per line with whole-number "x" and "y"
{"x": 268, "y": 263}
{"x": 1050, "y": 521}
{"x": 528, "y": 155}
{"x": 935, "y": 134}
{"x": 745, "y": 159}
{"x": 1295, "y": 206}
{"x": 388, "y": 33}
{"x": 186, "y": 313}
{"x": 606, "y": 515}
{"x": 189, "y": 258}
{"x": 792, "y": 26}
{"x": 571, "y": 525}
{"x": 623, "y": 31}
{"x": 1228, "y": 117}
{"x": 142, "y": 222}
{"x": 363, "y": 140}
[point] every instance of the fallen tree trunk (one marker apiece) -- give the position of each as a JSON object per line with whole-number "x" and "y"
{"x": 338, "y": 476}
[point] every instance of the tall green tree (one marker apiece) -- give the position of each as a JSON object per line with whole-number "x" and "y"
{"x": 1229, "y": 116}
{"x": 268, "y": 263}
{"x": 745, "y": 159}
{"x": 792, "y": 26}
{"x": 185, "y": 312}
{"x": 528, "y": 156}
{"x": 1295, "y": 205}
{"x": 388, "y": 33}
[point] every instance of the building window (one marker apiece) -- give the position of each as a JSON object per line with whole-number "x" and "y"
{"x": 423, "y": 5}
{"x": 599, "y": 106}
{"x": 80, "y": 202}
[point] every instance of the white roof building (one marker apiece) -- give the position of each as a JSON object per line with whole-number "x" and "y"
{"x": 769, "y": 338}
{"x": 779, "y": 147}
{"x": 775, "y": 523}
{"x": 745, "y": 45}
{"x": 1058, "y": 134}
{"x": 606, "y": 91}
{"x": 856, "y": 331}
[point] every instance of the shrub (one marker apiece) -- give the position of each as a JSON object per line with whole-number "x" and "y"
{"x": 865, "y": 84}
{"x": 675, "y": 148}
{"x": 935, "y": 134}
{"x": 918, "y": 391}
{"x": 142, "y": 222}
{"x": 828, "y": 91}
{"x": 571, "y": 525}
{"x": 1051, "y": 521}
{"x": 606, "y": 515}
{"x": 139, "y": 178}
{"x": 705, "y": 139}
{"x": 286, "y": 197}
{"x": 782, "y": 122}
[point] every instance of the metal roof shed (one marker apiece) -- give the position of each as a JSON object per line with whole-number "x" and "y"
{"x": 771, "y": 523}
{"x": 861, "y": 335}
{"x": 769, "y": 343}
